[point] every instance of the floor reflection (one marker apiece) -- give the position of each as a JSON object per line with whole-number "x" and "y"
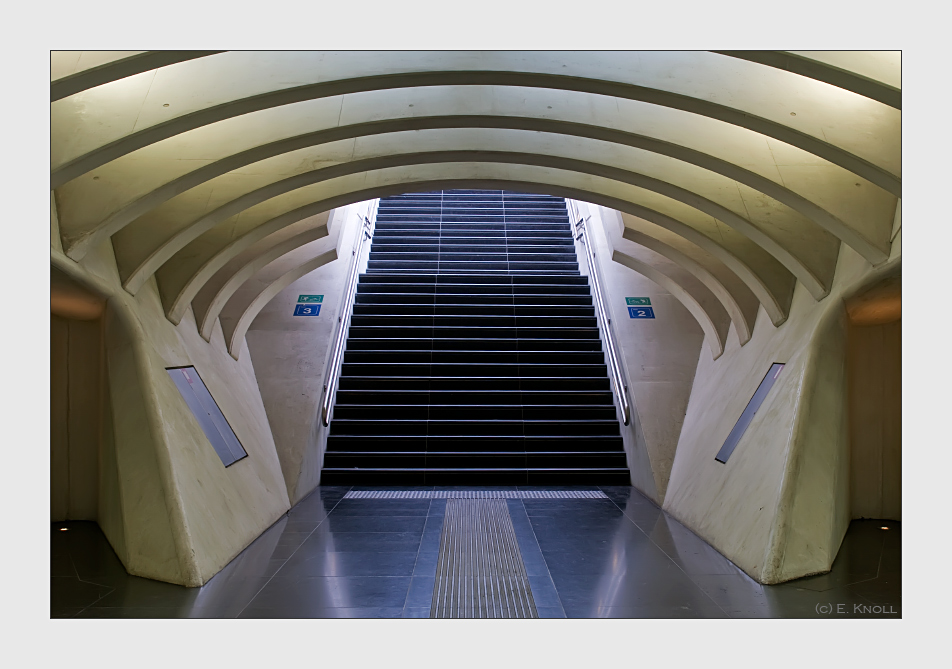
{"x": 590, "y": 558}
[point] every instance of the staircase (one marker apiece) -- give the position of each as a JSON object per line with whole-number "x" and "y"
{"x": 473, "y": 355}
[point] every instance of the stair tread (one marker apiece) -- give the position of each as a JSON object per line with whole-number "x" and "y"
{"x": 484, "y": 287}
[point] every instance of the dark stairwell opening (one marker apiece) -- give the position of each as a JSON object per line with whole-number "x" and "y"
{"x": 473, "y": 355}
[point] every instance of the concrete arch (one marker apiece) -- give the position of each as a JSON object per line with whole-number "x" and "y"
{"x": 119, "y": 69}
{"x": 675, "y": 164}
{"x": 241, "y": 311}
{"x": 249, "y": 298}
{"x": 814, "y": 69}
{"x": 256, "y": 291}
{"x": 182, "y": 292}
{"x": 78, "y": 243}
{"x": 715, "y": 330}
{"x": 190, "y": 121}
{"x": 743, "y": 321}
{"x": 784, "y": 60}
{"x": 181, "y": 296}
{"x": 165, "y": 252}
{"x": 815, "y": 276}
{"x": 214, "y": 295}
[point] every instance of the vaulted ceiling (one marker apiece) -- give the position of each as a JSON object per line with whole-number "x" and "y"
{"x": 738, "y": 174}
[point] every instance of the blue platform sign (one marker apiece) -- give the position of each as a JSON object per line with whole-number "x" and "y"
{"x": 640, "y": 312}
{"x": 307, "y": 309}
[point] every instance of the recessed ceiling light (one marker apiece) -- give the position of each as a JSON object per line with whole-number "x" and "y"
{"x": 166, "y": 104}
{"x": 793, "y": 113}
{"x": 884, "y": 528}
{"x": 63, "y": 529}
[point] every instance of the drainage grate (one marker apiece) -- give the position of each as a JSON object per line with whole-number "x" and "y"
{"x": 480, "y": 572}
{"x": 475, "y": 494}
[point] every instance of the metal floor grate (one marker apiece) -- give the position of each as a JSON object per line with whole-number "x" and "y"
{"x": 475, "y": 494}
{"x": 480, "y": 572}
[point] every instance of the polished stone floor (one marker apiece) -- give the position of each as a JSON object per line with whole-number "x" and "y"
{"x": 620, "y": 557}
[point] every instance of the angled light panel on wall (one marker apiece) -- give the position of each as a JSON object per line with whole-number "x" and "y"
{"x": 734, "y": 437}
{"x": 209, "y": 416}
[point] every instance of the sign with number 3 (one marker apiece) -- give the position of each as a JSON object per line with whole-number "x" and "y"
{"x": 307, "y": 309}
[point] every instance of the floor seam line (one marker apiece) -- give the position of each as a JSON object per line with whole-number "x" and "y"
{"x": 270, "y": 578}
{"x": 720, "y": 608}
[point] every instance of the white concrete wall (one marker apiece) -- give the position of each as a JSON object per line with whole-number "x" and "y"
{"x": 168, "y": 506}
{"x": 290, "y": 354}
{"x": 659, "y": 356}
{"x": 780, "y": 506}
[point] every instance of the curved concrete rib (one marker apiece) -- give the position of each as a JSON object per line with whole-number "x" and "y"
{"x": 174, "y": 244}
{"x": 214, "y": 295}
{"x": 814, "y": 69}
{"x": 742, "y": 324}
{"x": 77, "y": 245}
{"x": 713, "y": 332}
{"x": 182, "y": 295}
{"x": 175, "y": 310}
{"x": 119, "y": 69}
{"x": 156, "y": 133}
{"x": 235, "y": 329}
{"x": 776, "y": 306}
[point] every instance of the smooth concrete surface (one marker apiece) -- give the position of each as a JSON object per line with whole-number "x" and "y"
{"x": 620, "y": 557}
{"x": 751, "y": 93}
{"x": 736, "y": 178}
{"x": 170, "y": 508}
{"x": 289, "y": 354}
{"x": 174, "y": 177}
{"x": 66, "y": 63}
{"x": 214, "y": 295}
{"x": 779, "y": 507}
{"x": 659, "y": 357}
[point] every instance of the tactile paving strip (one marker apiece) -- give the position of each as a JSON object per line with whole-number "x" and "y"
{"x": 475, "y": 494}
{"x": 480, "y": 572}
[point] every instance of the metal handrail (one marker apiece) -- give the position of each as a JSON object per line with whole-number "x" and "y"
{"x": 621, "y": 390}
{"x": 333, "y": 369}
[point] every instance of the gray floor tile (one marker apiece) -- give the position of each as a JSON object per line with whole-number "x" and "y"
{"x": 382, "y": 508}
{"x": 584, "y": 558}
{"x": 786, "y": 601}
{"x": 685, "y": 611}
{"x": 144, "y": 592}
{"x": 303, "y": 595}
{"x": 391, "y": 524}
{"x": 133, "y": 612}
{"x": 417, "y": 612}
{"x": 426, "y": 562}
{"x": 550, "y": 612}
{"x": 731, "y": 591}
{"x": 421, "y": 592}
{"x": 882, "y": 590}
{"x": 347, "y": 542}
{"x": 68, "y": 592}
{"x": 543, "y": 591}
{"x": 65, "y": 612}
{"x": 326, "y": 563}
